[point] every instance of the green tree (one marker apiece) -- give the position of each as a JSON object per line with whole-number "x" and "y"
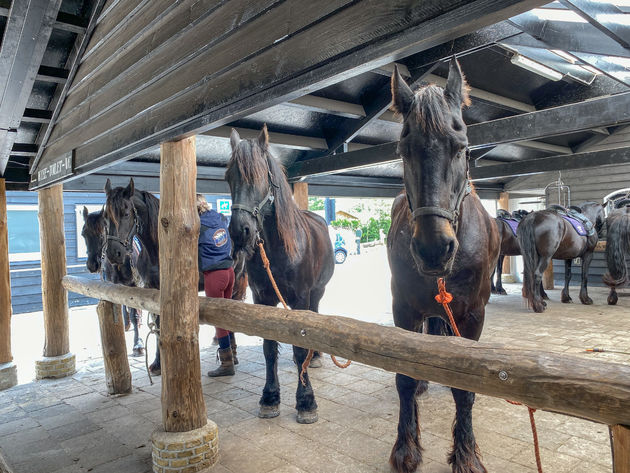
{"x": 315, "y": 203}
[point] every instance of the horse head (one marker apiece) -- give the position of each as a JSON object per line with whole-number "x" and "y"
{"x": 93, "y": 233}
{"x": 433, "y": 146}
{"x": 121, "y": 221}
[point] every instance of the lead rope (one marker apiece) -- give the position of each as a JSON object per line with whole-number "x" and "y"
{"x": 309, "y": 356}
{"x": 443, "y": 297}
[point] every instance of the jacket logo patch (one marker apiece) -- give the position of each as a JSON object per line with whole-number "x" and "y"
{"x": 220, "y": 237}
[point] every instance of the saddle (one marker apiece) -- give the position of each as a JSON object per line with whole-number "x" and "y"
{"x": 580, "y": 222}
{"x": 509, "y": 219}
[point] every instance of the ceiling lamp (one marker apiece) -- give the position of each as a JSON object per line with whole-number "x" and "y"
{"x": 536, "y": 67}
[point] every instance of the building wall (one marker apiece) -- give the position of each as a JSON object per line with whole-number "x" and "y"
{"x": 26, "y": 292}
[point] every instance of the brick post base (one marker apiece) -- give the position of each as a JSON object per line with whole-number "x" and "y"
{"x": 55, "y": 366}
{"x": 8, "y": 375}
{"x": 185, "y": 452}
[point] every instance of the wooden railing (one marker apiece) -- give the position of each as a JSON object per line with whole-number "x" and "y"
{"x": 589, "y": 389}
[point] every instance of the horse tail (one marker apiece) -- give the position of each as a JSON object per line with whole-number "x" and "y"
{"x": 527, "y": 241}
{"x": 617, "y": 246}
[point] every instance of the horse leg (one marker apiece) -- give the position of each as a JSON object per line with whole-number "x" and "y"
{"x": 126, "y": 317}
{"x": 304, "y": 396}
{"x": 406, "y": 453}
{"x": 565, "y": 297}
{"x": 543, "y": 294}
{"x": 612, "y": 297}
{"x": 270, "y": 400}
{"x": 465, "y": 455}
{"x": 499, "y": 285}
{"x": 156, "y": 368}
{"x": 493, "y": 289}
{"x": 586, "y": 262}
{"x": 537, "y": 302}
{"x": 138, "y": 346}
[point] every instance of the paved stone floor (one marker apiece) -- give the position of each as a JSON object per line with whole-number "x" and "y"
{"x": 72, "y": 425}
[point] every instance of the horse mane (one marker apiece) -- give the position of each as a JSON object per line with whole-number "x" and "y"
{"x": 95, "y": 221}
{"x": 429, "y": 105}
{"x": 151, "y": 203}
{"x": 255, "y": 164}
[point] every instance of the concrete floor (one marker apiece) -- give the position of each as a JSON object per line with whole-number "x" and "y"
{"x": 71, "y": 425}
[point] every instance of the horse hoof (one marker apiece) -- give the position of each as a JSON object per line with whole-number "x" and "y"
{"x": 612, "y": 300}
{"x": 307, "y": 417}
{"x": 315, "y": 363}
{"x": 138, "y": 352}
{"x": 587, "y": 301}
{"x": 155, "y": 370}
{"x": 502, "y": 292}
{"x": 268, "y": 412}
{"x": 566, "y": 299}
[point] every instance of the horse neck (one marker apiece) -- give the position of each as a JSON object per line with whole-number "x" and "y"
{"x": 147, "y": 231}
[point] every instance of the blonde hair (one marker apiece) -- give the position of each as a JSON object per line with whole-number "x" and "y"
{"x": 202, "y": 204}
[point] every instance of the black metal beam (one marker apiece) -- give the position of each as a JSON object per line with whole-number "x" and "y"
{"x": 26, "y": 35}
{"x": 567, "y": 36}
{"x": 24, "y": 149}
{"x": 608, "y": 66}
{"x": 606, "y": 111}
{"x": 32, "y": 115}
{"x": 57, "y": 75}
{"x": 602, "y": 16}
{"x": 554, "y": 163}
{"x": 64, "y": 21}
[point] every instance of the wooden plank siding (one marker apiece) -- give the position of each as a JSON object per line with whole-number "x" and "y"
{"x": 586, "y": 185}
{"x": 151, "y": 82}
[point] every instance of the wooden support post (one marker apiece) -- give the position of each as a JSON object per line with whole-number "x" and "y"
{"x": 58, "y": 361}
{"x": 504, "y": 203}
{"x": 183, "y": 407}
{"x": 300, "y": 195}
{"x": 8, "y": 372}
{"x": 547, "y": 279}
{"x": 620, "y": 437}
{"x": 117, "y": 372}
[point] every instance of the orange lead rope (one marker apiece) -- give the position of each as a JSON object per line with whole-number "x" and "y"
{"x": 445, "y": 298}
{"x": 309, "y": 356}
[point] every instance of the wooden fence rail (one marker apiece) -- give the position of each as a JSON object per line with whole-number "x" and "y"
{"x": 591, "y": 389}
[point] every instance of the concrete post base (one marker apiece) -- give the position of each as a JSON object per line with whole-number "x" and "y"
{"x": 509, "y": 278}
{"x": 8, "y": 375}
{"x": 55, "y": 366}
{"x": 189, "y": 452}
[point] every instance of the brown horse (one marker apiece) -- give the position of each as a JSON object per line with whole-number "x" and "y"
{"x": 298, "y": 247}
{"x": 509, "y": 247}
{"x": 617, "y": 248}
{"x": 439, "y": 229}
{"x": 545, "y": 235}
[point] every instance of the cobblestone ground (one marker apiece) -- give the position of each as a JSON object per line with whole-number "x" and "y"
{"x": 72, "y": 425}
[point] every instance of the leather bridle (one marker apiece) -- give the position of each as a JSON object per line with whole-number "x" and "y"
{"x": 452, "y": 215}
{"x": 257, "y": 211}
{"x": 133, "y": 231}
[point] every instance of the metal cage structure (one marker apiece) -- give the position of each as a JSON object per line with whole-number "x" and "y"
{"x": 558, "y": 193}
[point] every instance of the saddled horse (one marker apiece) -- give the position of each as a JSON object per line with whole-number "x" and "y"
{"x": 545, "y": 235}
{"x": 506, "y": 225}
{"x": 297, "y": 244}
{"x": 617, "y": 248}
{"x": 93, "y": 233}
{"x": 439, "y": 229}
{"x": 132, "y": 241}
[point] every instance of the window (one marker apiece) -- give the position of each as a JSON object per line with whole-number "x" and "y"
{"x": 78, "y": 213}
{"x": 23, "y": 233}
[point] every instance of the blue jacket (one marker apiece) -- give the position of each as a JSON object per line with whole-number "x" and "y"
{"x": 215, "y": 246}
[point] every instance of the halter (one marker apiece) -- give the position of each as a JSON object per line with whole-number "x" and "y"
{"x": 133, "y": 231}
{"x": 450, "y": 215}
{"x": 257, "y": 210}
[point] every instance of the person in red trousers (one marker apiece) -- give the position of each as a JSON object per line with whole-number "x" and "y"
{"x": 215, "y": 260}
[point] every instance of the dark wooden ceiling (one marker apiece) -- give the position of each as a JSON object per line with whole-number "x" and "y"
{"x": 107, "y": 92}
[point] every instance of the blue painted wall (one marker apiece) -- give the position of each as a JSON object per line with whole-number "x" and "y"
{"x": 26, "y": 289}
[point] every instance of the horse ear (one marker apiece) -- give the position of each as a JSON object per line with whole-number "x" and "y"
{"x": 108, "y": 186}
{"x": 456, "y": 86}
{"x": 402, "y": 95}
{"x": 263, "y": 137}
{"x": 85, "y": 213}
{"x": 234, "y": 138}
{"x": 129, "y": 189}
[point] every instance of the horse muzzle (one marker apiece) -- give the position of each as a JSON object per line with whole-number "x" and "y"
{"x": 435, "y": 257}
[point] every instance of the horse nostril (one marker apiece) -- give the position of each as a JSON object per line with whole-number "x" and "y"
{"x": 450, "y": 249}
{"x": 246, "y": 231}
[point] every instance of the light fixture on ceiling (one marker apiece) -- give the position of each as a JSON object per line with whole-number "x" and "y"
{"x": 536, "y": 67}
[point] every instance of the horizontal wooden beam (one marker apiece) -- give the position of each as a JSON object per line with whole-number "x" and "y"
{"x": 57, "y": 75}
{"x": 33, "y": 115}
{"x": 553, "y": 163}
{"x": 591, "y": 389}
{"x": 64, "y": 21}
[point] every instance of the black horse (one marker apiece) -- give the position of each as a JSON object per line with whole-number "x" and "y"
{"x": 93, "y": 233}
{"x": 545, "y": 235}
{"x": 439, "y": 229}
{"x": 617, "y": 249}
{"x": 509, "y": 244}
{"x": 296, "y": 243}
{"x": 131, "y": 245}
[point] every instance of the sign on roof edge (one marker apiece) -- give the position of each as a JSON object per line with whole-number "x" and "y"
{"x": 52, "y": 172}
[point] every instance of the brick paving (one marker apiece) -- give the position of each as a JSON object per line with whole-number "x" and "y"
{"x": 71, "y": 425}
